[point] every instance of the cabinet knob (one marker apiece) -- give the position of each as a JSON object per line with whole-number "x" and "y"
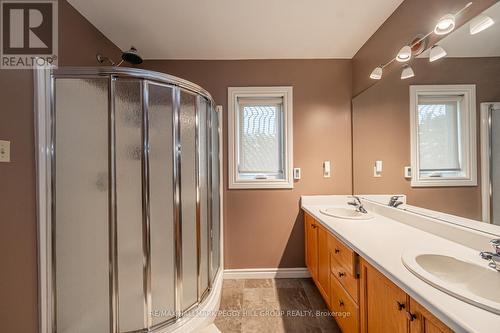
{"x": 337, "y": 251}
{"x": 341, "y": 303}
{"x": 411, "y": 316}
{"x": 341, "y": 274}
{"x": 400, "y": 305}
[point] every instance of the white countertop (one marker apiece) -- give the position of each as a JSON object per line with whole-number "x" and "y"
{"x": 382, "y": 240}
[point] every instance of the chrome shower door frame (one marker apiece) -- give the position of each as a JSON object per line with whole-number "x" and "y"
{"x": 486, "y": 159}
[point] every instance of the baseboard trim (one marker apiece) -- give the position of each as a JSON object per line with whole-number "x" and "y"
{"x": 267, "y": 273}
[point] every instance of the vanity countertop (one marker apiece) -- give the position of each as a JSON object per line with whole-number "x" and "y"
{"x": 381, "y": 242}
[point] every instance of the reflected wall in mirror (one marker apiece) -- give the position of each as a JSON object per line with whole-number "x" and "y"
{"x": 443, "y": 122}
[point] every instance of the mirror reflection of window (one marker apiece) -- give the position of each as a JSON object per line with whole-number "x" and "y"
{"x": 439, "y": 138}
{"x": 443, "y": 141}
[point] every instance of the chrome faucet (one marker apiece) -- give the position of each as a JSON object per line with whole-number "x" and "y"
{"x": 357, "y": 203}
{"x": 493, "y": 257}
{"x": 394, "y": 202}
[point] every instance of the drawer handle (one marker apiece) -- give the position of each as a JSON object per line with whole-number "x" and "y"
{"x": 411, "y": 316}
{"x": 313, "y": 226}
{"x": 341, "y": 274}
{"x": 341, "y": 303}
{"x": 400, "y": 305}
{"x": 337, "y": 251}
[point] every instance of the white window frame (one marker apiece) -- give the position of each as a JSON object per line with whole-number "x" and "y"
{"x": 286, "y": 93}
{"x": 468, "y": 134}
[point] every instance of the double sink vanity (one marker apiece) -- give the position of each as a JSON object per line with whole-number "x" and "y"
{"x": 383, "y": 269}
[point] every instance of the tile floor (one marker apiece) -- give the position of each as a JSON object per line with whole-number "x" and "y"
{"x": 273, "y": 305}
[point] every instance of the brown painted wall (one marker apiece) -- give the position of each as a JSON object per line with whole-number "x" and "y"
{"x": 78, "y": 43}
{"x": 381, "y": 131}
{"x": 264, "y": 228}
{"x": 411, "y": 18}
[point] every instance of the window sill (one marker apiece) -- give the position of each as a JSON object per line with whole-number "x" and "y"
{"x": 260, "y": 184}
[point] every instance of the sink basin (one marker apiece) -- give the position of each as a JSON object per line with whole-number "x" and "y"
{"x": 468, "y": 278}
{"x": 345, "y": 213}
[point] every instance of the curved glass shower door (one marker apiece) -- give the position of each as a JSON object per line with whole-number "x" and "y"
{"x": 80, "y": 193}
{"x": 161, "y": 202}
{"x": 135, "y": 200}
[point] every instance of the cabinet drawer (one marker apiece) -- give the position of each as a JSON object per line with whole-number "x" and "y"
{"x": 347, "y": 311}
{"x": 343, "y": 255}
{"x": 346, "y": 278}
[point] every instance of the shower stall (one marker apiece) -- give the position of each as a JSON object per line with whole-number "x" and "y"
{"x": 129, "y": 200}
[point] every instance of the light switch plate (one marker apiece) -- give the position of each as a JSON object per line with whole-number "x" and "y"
{"x": 296, "y": 173}
{"x": 377, "y": 169}
{"x": 407, "y": 172}
{"x": 326, "y": 169}
{"x": 4, "y": 151}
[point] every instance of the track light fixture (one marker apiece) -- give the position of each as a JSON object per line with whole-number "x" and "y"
{"x": 407, "y": 72}
{"x": 377, "y": 73}
{"x": 445, "y": 25}
{"x": 404, "y": 54}
{"x": 480, "y": 23}
{"x": 437, "y": 52}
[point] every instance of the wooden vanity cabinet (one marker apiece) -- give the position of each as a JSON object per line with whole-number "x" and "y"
{"x": 323, "y": 281}
{"x": 311, "y": 245}
{"x": 425, "y": 322}
{"x": 387, "y": 308}
{"x": 383, "y": 305}
{"x": 351, "y": 285}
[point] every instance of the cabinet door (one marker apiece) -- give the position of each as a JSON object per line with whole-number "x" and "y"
{"x": 383, "y": 305}
{"x": 422, "y": 321}
{"x": 311, "y": 246}
{"x": 323, "y": 263}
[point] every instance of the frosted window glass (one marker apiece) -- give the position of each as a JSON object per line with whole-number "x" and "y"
{"x": 203, "y": 169}
{"x": 215, "y": 193}
{"x": 438, "y": 131}
{"x": 161, "y": 203}
{"x": 128, "y": 115}
{"x": 81, "y": 213}
{"x": 261, "y": 139}
{"x": 187, "y": 120}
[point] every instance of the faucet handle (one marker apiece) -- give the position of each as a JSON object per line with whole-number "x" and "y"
{"x": 355, "y": 198}
{"x": 496, "y": 244}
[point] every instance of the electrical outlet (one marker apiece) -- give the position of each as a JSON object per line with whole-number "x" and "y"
{"x": 4, "y": 151}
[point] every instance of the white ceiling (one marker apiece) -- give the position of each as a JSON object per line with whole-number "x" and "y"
{"x": 238, "y": 29}
{"x": 461, "y": 43}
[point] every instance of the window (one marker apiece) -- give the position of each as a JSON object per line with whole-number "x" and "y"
{"x": 443, "y": 135}
{"x": 260, "y": 137}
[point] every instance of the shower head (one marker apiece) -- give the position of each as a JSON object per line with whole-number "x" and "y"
{"x": 131, "y": 56}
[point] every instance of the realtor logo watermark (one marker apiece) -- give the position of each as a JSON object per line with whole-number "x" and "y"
{"x": 28, "y": 34}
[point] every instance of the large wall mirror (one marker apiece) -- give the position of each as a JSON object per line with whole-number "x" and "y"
{"x": 430, "y": 128}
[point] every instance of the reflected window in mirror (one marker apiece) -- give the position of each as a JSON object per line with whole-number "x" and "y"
{"x": 443, "y": 135}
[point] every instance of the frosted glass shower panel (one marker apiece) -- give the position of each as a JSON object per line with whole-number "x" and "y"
{"x": 129, "y": 149}
{"x": 214, "y": 132}
{"x": 203, "y": 108}
{"x": 81, "y": 214}
{"x": 161, "y": 202}
{"x": 187, "y": 123}
{"x": 495, "y": 163}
